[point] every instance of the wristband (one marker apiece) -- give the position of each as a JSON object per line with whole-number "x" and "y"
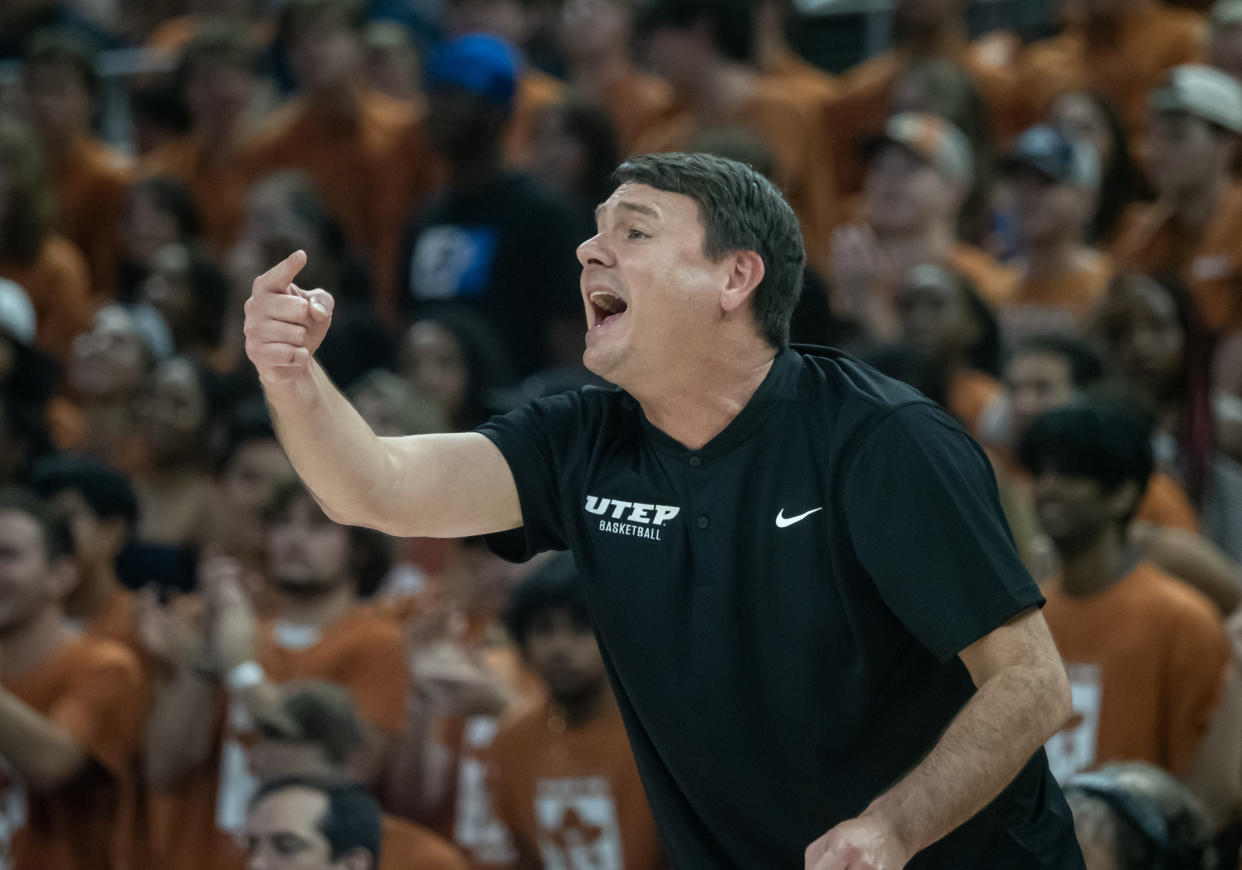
{"x": 245, "y": 676}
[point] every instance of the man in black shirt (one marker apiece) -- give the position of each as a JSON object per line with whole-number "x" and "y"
{"x": 804, "y": 590}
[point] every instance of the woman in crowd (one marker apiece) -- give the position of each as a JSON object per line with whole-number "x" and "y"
{"x": 159, "y": 211}
{"x": 46, "y": 265}
{"x": 107, "y": 371}
{"x": 177, "y": 493}
{"x": 943, "y": 317}
{"x": 1163, "y": 355}
{"x": 455, "y": 361}
{"x": 574, "y": 151}
{"x": 190, "y": 292}
{"x": 1088, "y": 116}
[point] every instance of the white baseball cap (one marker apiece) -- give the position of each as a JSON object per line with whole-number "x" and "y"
{"x": 1202, "y": 91}
{"x": 933, "y": 139}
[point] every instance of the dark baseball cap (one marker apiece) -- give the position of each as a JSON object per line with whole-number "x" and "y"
{"x": 480, "y": 63}
{"x": 1056, "y": 156}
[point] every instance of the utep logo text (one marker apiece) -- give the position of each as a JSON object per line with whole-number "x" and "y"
{"x": 632, "y": 518}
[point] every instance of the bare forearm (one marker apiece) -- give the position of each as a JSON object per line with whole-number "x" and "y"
{"x": 439, "y": 486}
{"x": 46, "y": 755}
{"x": 330, "y": 446}
{"x": 180, "y": 729}
{"x": 982, "y": 750}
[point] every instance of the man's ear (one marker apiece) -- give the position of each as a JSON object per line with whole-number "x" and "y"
{"x": 745, "y": 274}
{"x": 63, "y": 577}
{"x": 117, "y": 530}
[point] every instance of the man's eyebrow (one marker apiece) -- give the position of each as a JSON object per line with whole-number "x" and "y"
{"x": 638, "y": 207}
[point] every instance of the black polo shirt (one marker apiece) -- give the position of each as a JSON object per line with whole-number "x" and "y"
{"x": 781, "y": 611}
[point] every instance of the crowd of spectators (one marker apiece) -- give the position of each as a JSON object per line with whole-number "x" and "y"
{"x": 199, "y": 669}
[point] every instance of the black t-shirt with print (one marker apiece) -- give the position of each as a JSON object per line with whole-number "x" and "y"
{"x": 505, "y": 251}
{"x": 781, "y": 611}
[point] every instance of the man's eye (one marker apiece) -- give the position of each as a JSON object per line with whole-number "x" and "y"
{"x": 637, "y": 234}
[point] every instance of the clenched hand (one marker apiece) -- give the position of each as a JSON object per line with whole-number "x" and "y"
{"x": 284, "y": 323}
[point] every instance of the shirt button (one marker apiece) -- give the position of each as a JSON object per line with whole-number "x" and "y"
{"x": 695, "y": 462}
{"x": 703, "y": 522}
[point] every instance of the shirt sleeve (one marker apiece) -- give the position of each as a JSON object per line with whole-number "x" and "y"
{"x": 538, "y": 442}
{"x": 923, "y": 515}
{"x": 104, "y": 710}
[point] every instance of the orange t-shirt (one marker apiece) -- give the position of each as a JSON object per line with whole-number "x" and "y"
{"x": 93, "y": 689}
{"x": 58, "y": 284}
{"x": 1208, "y": 261}
{"x": 90, "y": 180}
{"x": 364, "y": 651}
{"x": 407, "y": 846}
{"x": 1166, "y": 504}
{"x": 993, "y": 282}
{"x": 795, "y": 131}
{"x": 791, "y": 71}
{"x": 637, "y": 102}
{"x": 1064, "y": 303}
{"x": 118, "y": 620}
{"x": 371, "y": 171}
{"x": 1146, "y": 660}
{"x": 861, "y": 105}
{"x": 970, "y": 395}
{"x": 535, "y": 92}
{"x": 571, "y": 797}
{"x": 219, "y": 190}
{"x": 1150, "y": 39}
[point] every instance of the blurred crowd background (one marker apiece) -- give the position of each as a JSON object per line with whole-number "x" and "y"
{"x": 1030, "y": 212}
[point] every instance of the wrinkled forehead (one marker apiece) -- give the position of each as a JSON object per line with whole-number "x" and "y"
{"x": 664, "y": 207}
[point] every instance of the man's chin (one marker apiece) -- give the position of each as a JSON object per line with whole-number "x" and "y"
{"x": 600, "y": 364}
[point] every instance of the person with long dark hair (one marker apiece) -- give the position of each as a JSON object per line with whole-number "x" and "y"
{"x": 943, "y": 317}
{"x": 49, "y": 267}
{"x": 1163, "y": 353}
{"x": 1088, "y": 116}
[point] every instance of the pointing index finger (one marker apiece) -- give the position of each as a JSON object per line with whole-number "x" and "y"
{"x": 278, "y": 278}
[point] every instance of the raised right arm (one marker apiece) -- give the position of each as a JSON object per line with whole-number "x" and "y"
{"x": 449, "y": 485}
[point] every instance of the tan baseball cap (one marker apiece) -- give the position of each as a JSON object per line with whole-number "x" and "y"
{"x": 936, "y": 140}
{"x": 1202, "y": 91}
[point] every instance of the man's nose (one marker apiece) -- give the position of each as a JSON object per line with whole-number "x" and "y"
{"x": 593, "y": 252}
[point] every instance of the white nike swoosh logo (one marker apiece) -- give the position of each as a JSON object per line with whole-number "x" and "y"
{"x": 782, "y": 521}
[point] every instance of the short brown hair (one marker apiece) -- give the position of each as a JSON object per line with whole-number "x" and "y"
{"x": 320, "y": 713}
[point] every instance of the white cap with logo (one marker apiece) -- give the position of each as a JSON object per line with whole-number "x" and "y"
{"x": 1202, "y": 91}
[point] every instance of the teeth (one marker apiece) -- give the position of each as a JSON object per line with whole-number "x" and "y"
{"x": 609, "y": 302}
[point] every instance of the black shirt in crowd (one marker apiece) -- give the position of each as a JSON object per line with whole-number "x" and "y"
{"x": 781, "y": 610}
{"x": 506, "y": 251}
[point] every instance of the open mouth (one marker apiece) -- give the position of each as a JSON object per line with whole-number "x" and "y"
{"x": 607, "y": 307}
